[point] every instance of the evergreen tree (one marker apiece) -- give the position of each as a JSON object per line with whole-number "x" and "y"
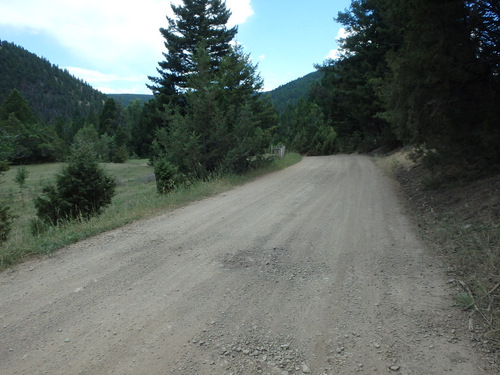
{"x": 13, "y": 134}
{"x": 349, "y": 89}
{"x": 443, "y": 88}
{"x": 18, "y": 106}
{"x": 82, "y": 189}
{"x": 133, "y": 114}
{"x": 109, "y": 120}
{"x": 6, "y": 217}
{"x": 143, "y": 131}
{"x": 21, "y": 175}
{"x": 195, "y": 21}
{"x": 120, "y": 152}
{"x": 211, "y": 118}
{"x": 308, "y": 123}
{"x": 484, "y": 24}
{"x": 223, "y": 125}
{"x": 249, "y": 118}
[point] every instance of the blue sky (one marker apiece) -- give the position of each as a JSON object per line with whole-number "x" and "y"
{"x": 114, "y": 45}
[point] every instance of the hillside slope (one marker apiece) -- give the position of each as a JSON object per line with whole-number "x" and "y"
{"x": 125, "y": 99}
{"x": 292, "y": 92}
{"x": 50, "y": 91}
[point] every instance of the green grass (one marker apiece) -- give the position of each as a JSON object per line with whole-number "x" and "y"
{"x": 463, "y": 300}
{"x": 136, "y": 198}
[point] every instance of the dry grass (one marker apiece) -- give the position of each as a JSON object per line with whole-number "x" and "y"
{"x": 394, "y": 161}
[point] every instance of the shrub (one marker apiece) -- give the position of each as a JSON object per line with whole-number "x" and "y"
{"x": 121, "y": 154}
{"x": 6, "y": 219}
{"x": 168, "y": 176}
{"x": 82, "y": 190}
{"x": 38, "y": 226}
{"x": 20, "y": 179}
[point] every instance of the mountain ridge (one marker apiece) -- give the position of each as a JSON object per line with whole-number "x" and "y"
{"x": 51, "y": 92}
{"x": 290, "y": 93}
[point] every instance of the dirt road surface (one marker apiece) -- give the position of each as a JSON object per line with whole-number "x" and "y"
{"x": 312, "y": 270}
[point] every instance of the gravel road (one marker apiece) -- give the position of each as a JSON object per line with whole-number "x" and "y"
{"x": 312, "y": 270}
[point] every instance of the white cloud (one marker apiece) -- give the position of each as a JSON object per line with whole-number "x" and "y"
{"x": 111, "y": 83}
{"x": 335, "y": 54}
{"x": 240, "y": 9}
{"x": 92, "y": 29}
{"x": 91, "y": 76}
{"x": 122, "y": 36}
{"x": 262, "y": 57}
{"x": 102, "y": 28}
{"x": 342, "y": 34}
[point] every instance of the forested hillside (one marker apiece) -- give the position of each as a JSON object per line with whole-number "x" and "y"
{"x": 45, "y": 113}
{"x": 290, "y": 93}
{"x": 52, "y": 93}
{"x": 125, "y": 99}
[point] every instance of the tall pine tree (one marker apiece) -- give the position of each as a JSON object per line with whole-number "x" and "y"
{"x": 213, "y": 119}
{"x": 223, "y": 125}
{"x": 195, "y": 21}
{"x": 349, "y": 90}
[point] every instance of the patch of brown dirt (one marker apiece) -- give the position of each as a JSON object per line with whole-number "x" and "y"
{"x": 461, "y": 221}
{"x": 476, "y": 202}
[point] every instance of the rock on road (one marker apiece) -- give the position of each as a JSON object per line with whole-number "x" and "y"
{"x": 314, "y": 269}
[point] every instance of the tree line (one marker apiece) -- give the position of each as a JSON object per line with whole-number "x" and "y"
{"x": 25, "y": 139}
{"x": 412, "y": 72}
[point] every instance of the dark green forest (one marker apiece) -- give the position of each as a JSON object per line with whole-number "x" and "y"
{"x": 289, "y": 94}
{"x": 52, "y": 93}
{"x": 125, "y": 99}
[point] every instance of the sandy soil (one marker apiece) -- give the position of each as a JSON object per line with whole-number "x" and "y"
{"x": 315, "y": 269}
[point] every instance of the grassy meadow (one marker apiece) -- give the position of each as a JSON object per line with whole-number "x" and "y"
{"x": 136, "y": 198}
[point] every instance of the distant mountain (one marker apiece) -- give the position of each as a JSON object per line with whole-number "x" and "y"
{"x": 125, "y": 99}
{"x": 290, "y": 93}
{"x": 51, "y": 92}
